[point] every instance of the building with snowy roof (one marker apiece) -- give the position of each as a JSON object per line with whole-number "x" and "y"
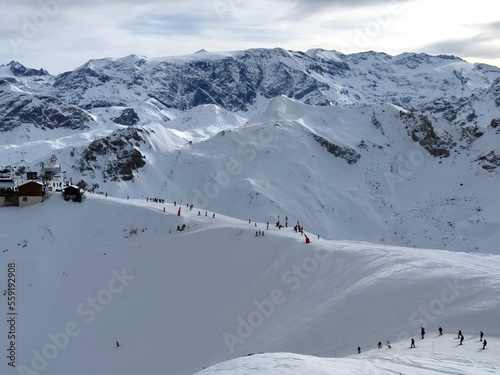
{"x": 31, "y": 192}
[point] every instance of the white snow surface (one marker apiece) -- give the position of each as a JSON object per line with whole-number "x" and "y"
{"x": 430, "y": 357}
{"x": 216, "y": 292}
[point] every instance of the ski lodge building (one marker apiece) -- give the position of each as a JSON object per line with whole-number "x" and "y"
{"x": 31, "y": 192}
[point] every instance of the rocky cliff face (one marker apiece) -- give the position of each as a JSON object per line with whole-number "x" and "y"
{"x": 421, "y": 130}
{"x": 235, "y": 81}
{"x": 127, "y": 117}
{"x": 41, "y": 111}
{"x": 346, "y": 153}
{"x": 231, "y": 82}
{"x": 20, "y": 70}
{"x": 245, "y": 81}
{"x": 116, "y": 156}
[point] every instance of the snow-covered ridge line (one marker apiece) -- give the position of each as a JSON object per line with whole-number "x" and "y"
{"x": 235, "y": 80}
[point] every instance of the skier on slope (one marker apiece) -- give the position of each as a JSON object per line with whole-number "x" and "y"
{"x": 379, "y": 345}
{"x": 481, "y": 336}
{"x": 461, "y": 339}
{"x": 459, "y": 333}
{"x": 484, "y": 344}
{"x": 412, "y": 343}
{"x": 440, "y": 331}
{"x": 422, "y": 332}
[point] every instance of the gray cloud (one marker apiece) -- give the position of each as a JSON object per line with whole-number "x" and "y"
{"x": 344, "y": 3}
{"x": 169, "y": 24}
{"x": 485, "y": 44}
{"x": 308, "y": 7}
{"x": 61, "y": 34}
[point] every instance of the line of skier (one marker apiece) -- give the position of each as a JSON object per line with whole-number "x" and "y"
{"x": 422, "y": 333}
{"x": 155, "y": 200}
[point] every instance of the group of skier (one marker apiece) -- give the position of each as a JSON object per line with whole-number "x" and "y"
{"x": 422, "y": 333}
{"x": 297, "y": 228}
{"x": 387, "y": 343}
{"x": 190, "y": 208}
{"x": 155, "y": 200}
{"x": 460, "y": 337}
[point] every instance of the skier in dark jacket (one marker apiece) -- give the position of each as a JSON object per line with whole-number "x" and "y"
{"x": 459, "y": 333}
{"x": 440, "y": 331}
{"x": 481, "y": 336}
{"x": 359, "y": 350}
{"x": 412, "y": 343}
{"x": 379, "y": 345}
{"x": 484, "y": 344}
{"x": 461, "y": 339}
{"x": 422, "y": 332}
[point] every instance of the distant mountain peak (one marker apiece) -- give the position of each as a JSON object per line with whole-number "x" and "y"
{"x": 19, "y": 69}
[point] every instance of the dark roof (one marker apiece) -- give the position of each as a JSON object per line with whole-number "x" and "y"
{"x": 71, "y": 189}
{"x": 31, "y": 188}
{"x": 32, "y": 182}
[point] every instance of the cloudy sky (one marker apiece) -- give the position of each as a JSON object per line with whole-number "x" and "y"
{"x": 60, "y": 35}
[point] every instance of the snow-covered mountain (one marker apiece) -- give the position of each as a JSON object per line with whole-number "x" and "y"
{"x": 236, "y": 81}
{"x": 18, "y": 108}
{"x": 392, "y": 149}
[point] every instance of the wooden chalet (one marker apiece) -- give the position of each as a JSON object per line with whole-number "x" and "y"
{"x": 72, "y": 192}
{"x": 31, "y": 192}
